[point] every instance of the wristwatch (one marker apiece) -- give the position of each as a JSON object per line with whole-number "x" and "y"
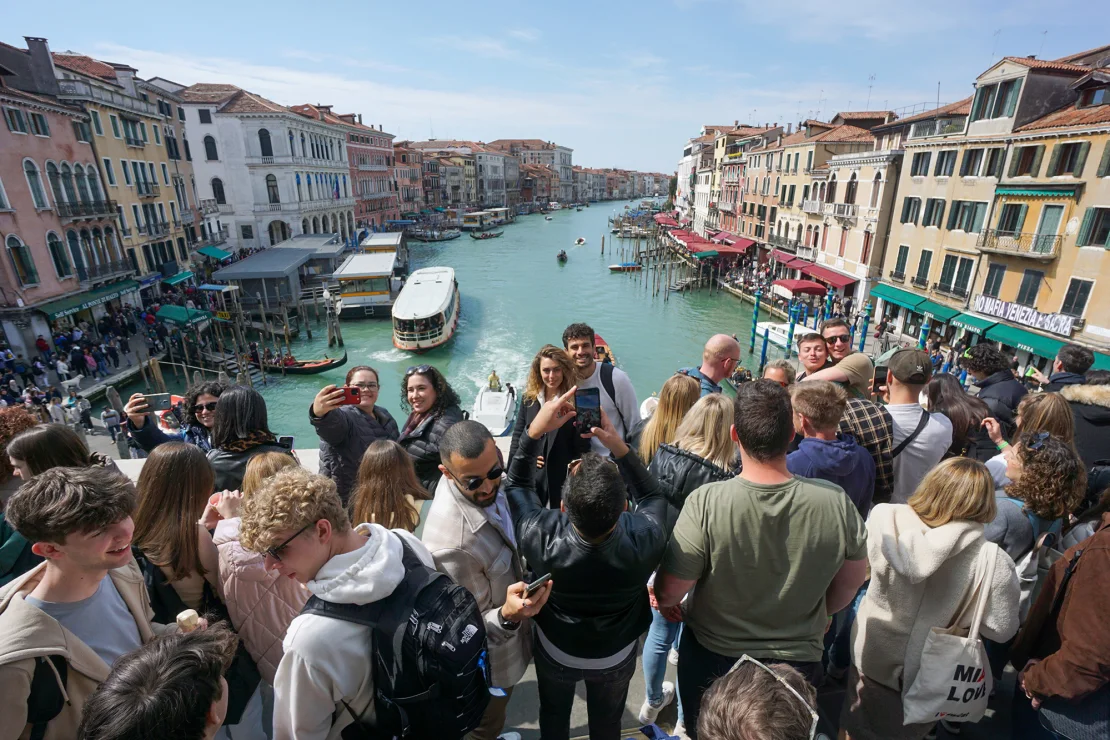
{"x": 505, "y": 623}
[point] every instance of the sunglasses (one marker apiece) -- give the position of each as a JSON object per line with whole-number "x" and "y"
{"x": 275, "y": 551}
{"x": 474, "y": 483}
{"x": 1038, "y": 441}
{"x": 210, "y": 406}
{"x": 791, "y": 689}
{"x": 421, "y": 369}
{"x": 844, "y": 338}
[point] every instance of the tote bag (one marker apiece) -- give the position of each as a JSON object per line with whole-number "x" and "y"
{"x": 954, "y": 681}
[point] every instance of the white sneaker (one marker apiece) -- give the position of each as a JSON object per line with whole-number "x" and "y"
{"x": 650, "y": 712}
{"x": 672, "y": 657}
{"x": 509, "y": 736}
{"x": 680, "y": 731}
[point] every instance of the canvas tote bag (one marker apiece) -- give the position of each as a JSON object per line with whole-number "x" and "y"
{"x": 954, "y": 681}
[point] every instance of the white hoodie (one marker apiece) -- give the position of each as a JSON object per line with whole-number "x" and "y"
{"x": 920, "y": 579}
{"x": 327, "y": 661}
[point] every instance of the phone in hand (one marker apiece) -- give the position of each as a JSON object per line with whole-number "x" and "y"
{"x": 157, "y": 401}
{"x": 352, "y": 395}
{"x": 286, "y": 441}
{"x": 536, "y": 585}
{"x": 878, "y": 381}
{"x": 587, "y": 405}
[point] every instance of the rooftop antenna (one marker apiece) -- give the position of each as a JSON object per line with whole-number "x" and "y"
{"x": 938, "y": 93}
{"x": 994, "y": 45}
{"x": 870, "y": 84}
{"x": 1044, "y": 35}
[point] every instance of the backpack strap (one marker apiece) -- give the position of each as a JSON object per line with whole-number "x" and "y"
{"x": 1037, "y": 523}
{"x": 925, "y": 416}
{"x": 606, "y": 371}
{"x": 46, "y": 698}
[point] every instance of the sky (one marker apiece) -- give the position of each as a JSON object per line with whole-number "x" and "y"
{"x": 623, "y": 84}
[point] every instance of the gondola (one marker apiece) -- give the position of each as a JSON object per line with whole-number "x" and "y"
{"x": 602, "y": 351}
{"x": 486, "y": 235}
{"x": 561, "y": 256}
{"x": 304, "y": 367}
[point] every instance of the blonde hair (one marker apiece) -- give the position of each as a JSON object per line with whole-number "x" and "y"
{"x": 174, "y": 487}
{"x": 262, "y": 467}
{"x": 385, "y": 477}
{"x": 704, "y": 431}
{"x": 534, "y": 387}
{"x": 677, "y": 396}
{"x": 1047, "y": 412}
{"x": 958, "y": 489}
{"x": 820, "y": 401}
{"x": 289, "y": 501}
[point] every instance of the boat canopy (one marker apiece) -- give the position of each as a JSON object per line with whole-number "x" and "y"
{"x": 372, "y": 264}
{"x": 428, "y": 291}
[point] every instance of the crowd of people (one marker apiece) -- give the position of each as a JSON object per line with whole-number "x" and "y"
{"x": 833, "y": 524}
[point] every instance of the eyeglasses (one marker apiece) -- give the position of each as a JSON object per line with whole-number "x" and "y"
{"x": 210, "y": 406}
{"x": 367, "y": 386}
{"x": 844, "y": 338}
{"x": 475, "y": 482}
{"x": 275, "y": 551}
{"x": 783, "y": 681}
{"x": 1038, "y": 440}
{"x": 421, "y": 369}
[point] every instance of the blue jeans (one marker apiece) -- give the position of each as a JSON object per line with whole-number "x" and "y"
{"x": 838, "y": 642}
{"x": 661, "y": 637}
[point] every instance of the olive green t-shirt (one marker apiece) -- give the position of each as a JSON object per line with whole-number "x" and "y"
{"x": 763, "y": 557}
{"x": 860, "y": 371}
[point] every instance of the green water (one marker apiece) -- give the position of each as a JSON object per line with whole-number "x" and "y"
{"x": 516, "y": 298}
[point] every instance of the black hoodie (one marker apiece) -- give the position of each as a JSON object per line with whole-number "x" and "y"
{"x": 1091, "y": 406}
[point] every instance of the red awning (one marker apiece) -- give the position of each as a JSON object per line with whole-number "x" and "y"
{"x": 801, "y": 286}
{"x": 782, "y": 256}
{"x": 796, "y": 264}
{"x": 732, "y": 248}
{"x": 664, "y": 220}
{"x": 832, "y": 277}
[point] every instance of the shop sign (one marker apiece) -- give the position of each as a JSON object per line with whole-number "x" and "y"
{"x": 1055, "y": 323}
{"x": 225, "y": 315}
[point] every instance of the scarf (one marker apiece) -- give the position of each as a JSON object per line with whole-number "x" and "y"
{"x": 253, "y": 439}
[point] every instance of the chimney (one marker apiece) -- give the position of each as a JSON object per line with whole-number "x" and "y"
{"x": 360, "y": 118}
{"x": 789, "y": 128}
{"x": 42, "y": 65}
{"x": 1032, "y": 56}
{"x": 736, "y": 123}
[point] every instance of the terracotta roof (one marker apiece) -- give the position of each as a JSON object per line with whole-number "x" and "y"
{"x": 203, "y": 92}
{"x": 522, "y": 143}
{"x": 745, "y": 131}
{"x": 248, "y": 102}
{"x": 845, "y": 133}
{"x": 1072, "y": 58}
{"x": 1047, "y": 65}
{"x": 813, "y": 122}
{"x": 85, "y": 65}
{"x": 798, "y": 137}
{"x": 856, "y": 115}
{"x": 1069, "y": 116}
{"x": 959, "y": 108}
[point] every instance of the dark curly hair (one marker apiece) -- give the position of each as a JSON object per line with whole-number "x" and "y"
{"x": 208, "y": 387}
{"x": 1053, "y": 479}
{"x": 445, "y": 394}
{"x": 985, "y": 358}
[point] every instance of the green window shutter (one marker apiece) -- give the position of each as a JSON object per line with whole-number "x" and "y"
{"x": 938, "y": 213}
{"x": 1088, "y": 221}
{"x": 1012, "y": 98}
{"x": 1020, "y": 218}
{"x": 906, "y": 203}
{"x": 977, "y": 220}
{"x": 952, "y": 214}
{"x": 1081, "y": 159}
{"x": 1015, "y": 158}
{"x": 1104, "y": 165}
{"x": 1036, "y": 169}
{"x": 1053, "y": 161}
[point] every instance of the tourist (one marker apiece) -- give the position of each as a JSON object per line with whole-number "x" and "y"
{"x": 1068, "y": 368}
{"x": 920, "y": 438}
{"x": 719, "y": 358}
{"x": 618, "y": 397}
{"x": 84, "y": 411}
{"x": 62, "y": 368}
{"x": 324, "y": 682}
{"x": 241, "y": 431}
{"x": 82, "y": 609}
{"x": 946, "y": 396}
{"x": 260, "y": 602}
{"x": 924, "y": 558}
{"x": 826, "y": 453}
{"x": 346, "y": 430}
{"x": 38, "y": 373}
{"x": 435, "y": 407}
{"x": 991, "y": 372}
{"x": 196, "y": 428}
{"x": 752, "y": 700}
{"x": 677, "y": 396}
{"x": 1090, "y": 405}
{"x": 780, "y": 371}
{"x": 57, "y": 413}
{"x": 110, "y": 418}
{"x": 1063, "y": 652}
{"x": 172, "y": 687}
{"x": 43, "y": 347}
{"x": 1036, "y": 412}
{"x": 551, "y": 375}
{"x": 386, "y": 490}
{"x": 494, "y": 381}
{"x": 850, "y": 367}
{"x": 600, "y": 555}
{"x": 470, "y": 534}
{"x": 726, "y": 534}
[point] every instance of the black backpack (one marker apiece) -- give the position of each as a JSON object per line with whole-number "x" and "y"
{"x": 430, "y": 660}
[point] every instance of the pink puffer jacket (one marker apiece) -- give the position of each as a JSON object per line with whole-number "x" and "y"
{"x": 261, "y": 603}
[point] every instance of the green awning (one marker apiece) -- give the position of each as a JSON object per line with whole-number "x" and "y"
{"x": 214, "y": 253}
{"x": 937, "y": 311}
{"x": 181, "y": 316}
{"x": 74, "y": 303}
{"x": 900, "y": 297}
{"x": 1035, "y": 191}
{"x": 706, "y": 255}
{"x": 1102, "y": 362}
{"x": 974, "y": 324}
{"x": 1038, "y": 344}
{"x": 178, "y": 278}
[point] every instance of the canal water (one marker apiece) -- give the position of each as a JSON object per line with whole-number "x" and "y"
{"x": 515, "y": 298}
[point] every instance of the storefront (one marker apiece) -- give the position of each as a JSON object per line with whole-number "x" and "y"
{"x": 972, "y": 327}
{"x": 899, "y": 308}
{"x": 89, "y": 305}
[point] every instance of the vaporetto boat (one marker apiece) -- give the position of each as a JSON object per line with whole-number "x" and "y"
{"x": 426, "y": 313}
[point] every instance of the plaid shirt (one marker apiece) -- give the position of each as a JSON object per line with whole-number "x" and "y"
{"x": 873, "y": 429}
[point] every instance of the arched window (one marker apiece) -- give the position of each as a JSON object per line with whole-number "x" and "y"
{"x": 300, "y": 193}
{"x": 75, "y": 251}
{"x": 67, "y": 184}
{"x": 58, "y": 255}
{"x": 850, "y": 189}
{"x": 832, "y": 190}
{"x": 308, "y": 178}
{"x": 272, "y": 189}
{"x": 94, "y": 183}
{"x": 87, "y": 247}
{"x": 292, "y": 145}
{"x": 218, "y": 191}
{"x": 816, "y": 235}
{"x": 21, "y": 258}
{"x": 345, "y": 193}
{"x": 82, "y": 183}
{"x": 315, "y": 225}
{"x": 34, "y": 182}
{"x": 264, "y": 143}
{"x": 210, "y": 153}
{"x": 304, "y": 151}
{"x": 876, "y": 187}
{"x": 304, "y": 226}
{"x": 55, "y": 182}
{"x": 98, "y": 245}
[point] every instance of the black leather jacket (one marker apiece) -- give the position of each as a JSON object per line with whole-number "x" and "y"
{"x": 230, "y": 467}
{"x": 422, "y": 444}
{"x": 680, "y": 473}
{"x": 599, "y": 603}
{"x": 1002, "y": 392}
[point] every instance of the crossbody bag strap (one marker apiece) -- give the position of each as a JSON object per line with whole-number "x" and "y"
{"x": 913, "y": 435}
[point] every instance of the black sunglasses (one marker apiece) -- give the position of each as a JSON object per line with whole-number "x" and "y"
{"x": 421, "y": 369}
{"x": 1038, "y": 440}
{"x": 210, "y": 406}
{"x": 474, "y": 483}
{"x": 275, "y": 551}
{"x": 846, "y": 338}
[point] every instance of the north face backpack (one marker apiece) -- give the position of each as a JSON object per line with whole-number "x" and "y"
{"x": 430, "y": 660}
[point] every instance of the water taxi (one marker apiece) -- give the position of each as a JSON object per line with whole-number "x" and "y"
{"x": 776, "y": 332}
{"x": 477, "y": 221}
{"x": 554, "y": 205}
{"x": 562, "y": 256}
{"x": 626, "y": 267}
{"x": 368, "y": 284}
{"x": 426, "y": 313}
{"x": 496, "y": 410}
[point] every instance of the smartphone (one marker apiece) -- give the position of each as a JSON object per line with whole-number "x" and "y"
{"x": 352, "y": 395}
{"x": 157, "y": 401}
{"x": 879, "y": 380}
{"x": 536, "y": 585}
{"x": 286, "y": 441}
{"x": 587, "y": 404}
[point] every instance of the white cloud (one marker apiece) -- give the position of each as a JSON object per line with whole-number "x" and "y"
{"x": 482, "y": 46}
{"x": 524, "y": 34}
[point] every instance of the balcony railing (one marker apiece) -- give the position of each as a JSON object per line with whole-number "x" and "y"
{"x": 85, "y": 91}
{"x": 208, "y": 206}
{"x": 920, "y": 281}
{"x": 1033, "y": 246}
{"x": 147, "y": 189}
{"x": 157, "y": 228}
{"x": 280, "y": 159}
{"x": 938, "y": 127}
{"x": 134, "y": 141}
{"x": 842, "y": 210}
{"x": 955, "y": 291}
{"x": 791, "y": 245}
{"x": 108, "y": 269}
{"x": 871, "y": 214}
{"x": 87, "y": 209}
{"x": 214, "y": 239}
{"x": 812, "y": 205}
{"x": 898, "y": 277}
{"x": 188, "y": 217}
{"x": 372, "y": 167}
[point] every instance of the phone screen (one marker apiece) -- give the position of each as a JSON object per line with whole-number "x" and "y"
{"x": 880, "y": 380}
{"x": 158, "y": 401}
{"x": 587, "y": 402}
{"x": 286, "y": 441}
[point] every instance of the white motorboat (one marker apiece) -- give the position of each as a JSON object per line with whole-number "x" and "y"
{"x": 426, "y": 312}
{"x": 496, "y": 410}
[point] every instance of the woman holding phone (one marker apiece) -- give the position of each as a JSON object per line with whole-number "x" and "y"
{"x": 196, "y": 429}
{"x": 347, "y": 429}
{"x": 435, "y": 407}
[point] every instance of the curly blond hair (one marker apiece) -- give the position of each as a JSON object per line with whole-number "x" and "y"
{"x": 290, "y": 500}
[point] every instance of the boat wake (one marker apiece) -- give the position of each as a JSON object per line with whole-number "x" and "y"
{"x": 390, "y": 355}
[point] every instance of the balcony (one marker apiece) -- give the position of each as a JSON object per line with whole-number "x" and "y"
{"x": 373, "y": 167}
{"x": 938, "y": 127}
{"x": 87, "y": 209}
{"x": 285, "y": 159}
{"x": 811, "y": 205}
{"x": 188, "y": 217}
{"x": 134, "y": 141}
{"x": 208, "y": 206}
{"x": 871, "y": 215}
{"x": 1034, "y": 246}
{"x": 225, "y": 208}
{"x": 920, "y": 281}
{"x": 842, "y": 210}
{"x": 897, "y": 277}
{"x": 84, "y": 91}
{"x": 104, "y": 270}
{"x": 952, "y": 291}
{"x": 147, "y": 189}
{"x": 157, "y": 228}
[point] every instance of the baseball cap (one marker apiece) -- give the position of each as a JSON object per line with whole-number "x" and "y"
{"x": 911, "y": 366}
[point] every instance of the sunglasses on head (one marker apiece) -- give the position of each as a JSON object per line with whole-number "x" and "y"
{"x": 473, "y": 483}
{"x": 1038, "y": 440}
{"x": 786, "y": 685}
{"x": 210, "y": 406}
{"x": 275, "y": 551}
{"x": 845, "y": 338}
{"x": 421, "y": 369}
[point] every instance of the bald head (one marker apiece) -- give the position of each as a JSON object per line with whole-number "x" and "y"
{"x": 720, "y": 357}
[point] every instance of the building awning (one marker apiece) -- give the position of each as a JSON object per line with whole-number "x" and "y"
{"x": 801, "y": 286}
{"x": 1038, "y": 344}
{"x": 182, "y": 316}
{"x": 971, "y": 322}
{"x": 74, "y": 303}
{"x": 832, "y": 277}
{"x": 741, "y": 246}
{"x": 937, "y": 311}
{"x": 897, "y": 296}
{"x": 1102, "y": 362}
{"x": 782, "y": 256}
{"x": 796, "y": 264}
{"x": 178, "y": 278}
{"x": 707, "y": 254}
{"x": 1068, "y": 190}
{"x": 214, "y": 253}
